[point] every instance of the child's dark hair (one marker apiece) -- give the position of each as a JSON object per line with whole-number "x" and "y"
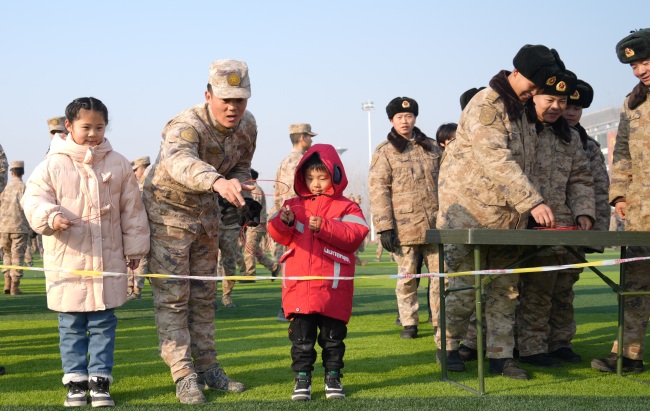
{"x": 85, "y": 103}
{"x": 445, "y": 132}
{"x": 314, "y": 163}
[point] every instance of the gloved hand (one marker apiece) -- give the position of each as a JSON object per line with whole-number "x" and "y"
{"x": 387, "y": 239}
{"x": 250, "y": 213}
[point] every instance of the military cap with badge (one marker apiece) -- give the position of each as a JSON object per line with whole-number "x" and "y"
{"x": 402, "y": 105}
{"x": 229, "y": 79}
{"x": 141, "y": 161}
{"x": 634, "y": 47}
{"x": 582, "y": 96}
{"x": 56, "y": 125}
{"x": 537, "y": 63}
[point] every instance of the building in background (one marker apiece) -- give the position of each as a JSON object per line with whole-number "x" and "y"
{"x": 603, "y": 126}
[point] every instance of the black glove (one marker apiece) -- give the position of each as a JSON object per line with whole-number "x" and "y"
{"x": 388, "y": 240}
{"x": 250, "y": 213}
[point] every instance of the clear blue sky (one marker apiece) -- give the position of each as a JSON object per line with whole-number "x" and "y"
{"x": 309, "y": 61}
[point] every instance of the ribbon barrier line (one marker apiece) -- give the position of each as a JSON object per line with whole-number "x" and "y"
{"x": 252, "y": 277}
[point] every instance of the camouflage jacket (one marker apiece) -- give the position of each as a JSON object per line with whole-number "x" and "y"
{"x": 285, "y": 175}
{"x": 484, "y": 173}
{"x": 4, "y": 169}
{"x": 598, "y": 167}
{"x": 630, "y": 176}
{"x": 403, "y": 185}
{"x": 12, "y": 216}
{"x": 194, "y": 152}
{"x": 563, "y": 174}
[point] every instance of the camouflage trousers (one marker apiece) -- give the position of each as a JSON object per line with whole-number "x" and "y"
{"x": 545, "y": 320}
{"x": 637, "y": 307}
{"x": 230, "y": 255}
{"x": 14, "y": 246}
{"x": 254, "y": 250}
{"x": 137, "y": 281}
{"x": 500, "y": 297}
{"x": 183, "y": 307}
{"x": 406, "y": 288}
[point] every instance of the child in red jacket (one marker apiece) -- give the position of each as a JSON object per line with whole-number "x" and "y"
{"x": 321, "y": 230}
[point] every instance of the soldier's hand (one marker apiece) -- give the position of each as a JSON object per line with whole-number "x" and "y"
{"x": 584, "y": 223}
{"x": 230, "y": 190}
{"x": 543, "y": 215}
{"x": 621, "y": 209}
{"x": 60, "y": 223}
{"x": 387, "y": 239}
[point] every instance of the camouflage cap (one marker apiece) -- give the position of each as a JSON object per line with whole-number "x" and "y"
{"x": 142, "y": 161}
{"x": 634, "y": 47}
{"x": 17, "y": 164}
{"x": 56, "y": 124}
{"x": 229, "y": 79}
{"x": 300, "y": 128}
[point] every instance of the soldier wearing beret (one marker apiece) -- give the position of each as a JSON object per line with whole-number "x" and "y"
{"x": 403, "y": 185}
{"x": 629, "y": 193}
{"x": 485, "y": 183}
{"x": 204, "y": 157}
{"x": 14, "y": 228}
{"x": 563, "y": 176}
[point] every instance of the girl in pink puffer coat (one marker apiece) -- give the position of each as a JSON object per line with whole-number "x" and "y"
{"x": 85, "y": 200}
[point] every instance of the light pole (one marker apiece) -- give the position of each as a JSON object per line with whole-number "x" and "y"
{"x": 368, "y": 106}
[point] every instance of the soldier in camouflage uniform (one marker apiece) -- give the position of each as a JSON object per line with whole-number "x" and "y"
{"x": 485, "y": 183}
{"x": 563, "y": 176}
{"x": 357, "y": 260}
{"x": 205, "y": 150}
{"x": 136, "y": 282}
{"x": 562, "y": 323}
{"x": 403, "y": 185}
{"x": 301, "y": 138}
{"x": 14, "y": 228}
{"x": 229, "y": 255}
{"x": 4, "y": 169}
{"x": 629, "y": 193}
{"x": 253, "y": 248}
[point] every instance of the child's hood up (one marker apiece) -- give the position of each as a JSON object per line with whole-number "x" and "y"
{"x": 332, "y": 161}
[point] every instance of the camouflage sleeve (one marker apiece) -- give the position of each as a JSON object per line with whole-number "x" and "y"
{"x": 278, "y": 188}
{"x": 601, "y": 187}
{"x": 133, "y": 217}
{"x": 4, "y": 169}
{"x": 380, "y": 187}
{"x": 261, "y": 198}
{"x": 621, "y": 175}
{"x": 179, "y": 155}
{"x": 489, "y": 139}
{"x": 580, "y": 185}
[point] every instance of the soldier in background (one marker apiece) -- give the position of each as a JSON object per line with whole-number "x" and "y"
{"x": 563, "y": 175}
{"x": 14, "y": 228}
{"x": 206, "y": 150}
{"x": 301, "y": 139}
{"x": 230, "y": 252}
{"x": 253, "y": 248}
{"x": 4, "y": 170}
{"x": 136, "y": 282}
{"x": 362, "y": 247}
{"x": 446, "y": 132}
{"x": 629, "y": 195}
{"x": 484, "y": 183}
{"x": 56, "y": 125}
{"x": 562, "y": 322}
{"x": 403, "y": 185}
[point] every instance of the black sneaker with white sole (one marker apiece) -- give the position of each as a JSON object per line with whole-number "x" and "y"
{"x": 76, "y": 394}
{"x": 302, "y": 388}
{"x": 100, "y": 394}
{"x": 333, "y": 386}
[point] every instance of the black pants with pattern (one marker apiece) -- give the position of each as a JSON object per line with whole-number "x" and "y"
{"x": 304, "y": 332}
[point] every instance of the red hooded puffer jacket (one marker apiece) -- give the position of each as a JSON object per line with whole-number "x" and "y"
{"x": 328, "y": 252}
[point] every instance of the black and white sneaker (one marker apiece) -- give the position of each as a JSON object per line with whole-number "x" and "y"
{"x": 302, "y": 389}
{"x": 100, "y": 394}
{"x": 333, "y": 386}
{"x": 76, "y": 394}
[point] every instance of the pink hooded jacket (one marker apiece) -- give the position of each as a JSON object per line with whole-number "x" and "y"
{"x": 96, "y": 190}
